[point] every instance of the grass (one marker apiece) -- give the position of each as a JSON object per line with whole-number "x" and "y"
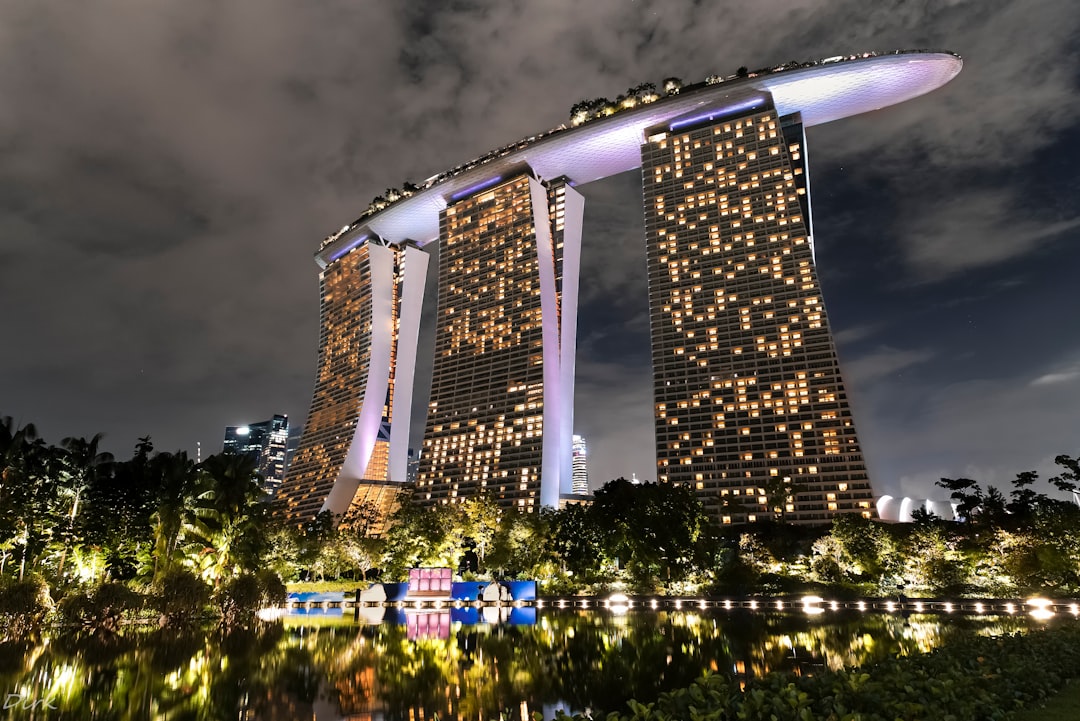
{"x": 324, "y": 586}
{"x": 1062, "y": 706}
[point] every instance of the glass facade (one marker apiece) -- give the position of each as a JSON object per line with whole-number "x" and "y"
{"x": 498, "y": 398}
{"x": 265, "y": 442}
{"x": 346, "y": 438}
{"x": 750, "y": 406}
{"x": 580, "y": 484}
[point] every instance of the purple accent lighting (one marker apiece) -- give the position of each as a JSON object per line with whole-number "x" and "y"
{"x": 479, "y": 186}
{"x": 714, "y": 113}
{"x": 342, "y": 251}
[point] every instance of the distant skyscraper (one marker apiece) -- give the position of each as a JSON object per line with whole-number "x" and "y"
{"x": 581, "y": 467}
{"x": 265, "y": 443}
{"x": 355, "y": 441}
{"x": 747, "y": 386}
{"x": 501, "y": 409}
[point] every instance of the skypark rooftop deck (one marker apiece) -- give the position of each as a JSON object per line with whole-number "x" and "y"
{"x": 823, "y": 91}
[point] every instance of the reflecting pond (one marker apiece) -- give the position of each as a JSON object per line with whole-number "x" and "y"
{"x": 447, "y": 664}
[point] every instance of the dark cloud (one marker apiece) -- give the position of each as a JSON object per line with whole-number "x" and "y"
{"x": 167, "y": 170}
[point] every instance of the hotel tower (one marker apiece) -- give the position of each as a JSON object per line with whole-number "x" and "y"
{"x": 354, "y": 448}
{"x": 500, "y": 415}
{"x": 750, "y": 407}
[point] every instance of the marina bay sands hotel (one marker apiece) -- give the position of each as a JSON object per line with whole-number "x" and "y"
{"x": 748, "y": 395}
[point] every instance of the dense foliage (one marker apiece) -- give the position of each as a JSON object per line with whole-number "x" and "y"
{"x": 971, "y": 678}
{"x": 76, "y": 518}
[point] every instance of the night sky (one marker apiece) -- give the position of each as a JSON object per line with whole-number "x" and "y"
{"x": 167, "y": 171}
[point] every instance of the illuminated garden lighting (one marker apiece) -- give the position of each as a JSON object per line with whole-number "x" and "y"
{"x": 919, "y": 606}
{"x": 779, "y": 605}
{"x": 1010, "y": 608}
{"x": 834, "y": 605}
{"x": 753, "y": 605}
{"x": 890, "y": 606}
{"x": 1040, "y": 608}
{"x": 653, "y": 604}
{"x": 678, "y": 604}
{"x": 1074, "y": 609}
{"x": 727, "y": 604}
{"x": 584, "y": 603}
{"x": 948, "y": 607}
{"x": 812, "y": 605}
{"x": 978, "y": 608}
{"x": 702, "y": 605}
{"x": 861, "y": 605}
{"x": 539, "y": 603}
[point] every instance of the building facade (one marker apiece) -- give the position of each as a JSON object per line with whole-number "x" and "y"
{"x": 264, "y": 442}
{"x": 751, "y": 409}
{"x": 371, "y": 295}
{"x": 500, "y": 413}
{"x": 580, "y": 485}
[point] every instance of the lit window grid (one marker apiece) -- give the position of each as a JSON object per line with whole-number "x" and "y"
{"x": 485, "y": 417}
{"x": 344, "y": 359}
{"x": 747, "y": 384}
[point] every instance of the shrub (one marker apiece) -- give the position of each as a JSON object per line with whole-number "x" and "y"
{"x": 975, "y": 678}
{"x": 181, "y": 597}
{"x": 242, "y": 597}
{"x": 101, "y": 608}
{"x": 23, "y": 606}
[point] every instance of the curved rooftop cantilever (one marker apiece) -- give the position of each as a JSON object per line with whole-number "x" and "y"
{"x": 607, "y": 146}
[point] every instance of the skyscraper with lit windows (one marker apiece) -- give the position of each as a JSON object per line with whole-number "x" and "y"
{"x": 580, "y": 485}
{"x": 751, "y": 409}
{"x": 500, "y": 414}
{"x": 354, "y": 448}
{"x": 265, "y": 443}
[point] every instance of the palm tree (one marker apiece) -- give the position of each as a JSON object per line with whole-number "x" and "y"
{"x": 177, "y": 480}
{"x": 225, "y": 513}
{"x": 84, "y": 462}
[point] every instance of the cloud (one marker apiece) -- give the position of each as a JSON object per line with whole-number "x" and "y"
{"x": 867, "y": 369}
{"x": 1057, "y": 378}
{"x": 976, "y": 229}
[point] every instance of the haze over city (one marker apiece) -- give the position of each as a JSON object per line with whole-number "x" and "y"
{"x": 169, "y": 173}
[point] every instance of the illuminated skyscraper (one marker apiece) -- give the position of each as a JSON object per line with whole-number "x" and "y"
{"x": 265, "y": 443}
{"x": 751, "y": 410}
{"x": 580, "y": 485}
{"x": 352, "y": 447}
{"x": 501, "y": 408}
{"x": 750, "y": 406}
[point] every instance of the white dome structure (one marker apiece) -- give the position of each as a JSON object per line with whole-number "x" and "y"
{"x": 899, "y": 510}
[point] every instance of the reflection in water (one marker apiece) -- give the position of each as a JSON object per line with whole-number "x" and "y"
{"x": 452, "y": 663}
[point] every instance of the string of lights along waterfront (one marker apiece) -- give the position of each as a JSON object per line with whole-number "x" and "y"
{"x": 750, "y": 406}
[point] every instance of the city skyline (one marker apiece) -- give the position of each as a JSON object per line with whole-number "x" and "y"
{"x": 183, "y": 220}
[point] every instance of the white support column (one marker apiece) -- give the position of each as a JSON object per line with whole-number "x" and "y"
{"x": 574, "y": 212}
{"x": 412, "y": 301}
{"x": 551, "y": 465}
{"x": 378, "y": 381}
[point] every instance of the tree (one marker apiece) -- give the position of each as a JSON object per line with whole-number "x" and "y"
{"x": 224, "y": 521}
{"x": 84, "y": 463}
{"x": 781, "y": 491}
{"x": 1068, "y": 481}
{"x": 176, "y": 478}
{"x": 967, "y": 494}
{"x": 1024, "y": 500}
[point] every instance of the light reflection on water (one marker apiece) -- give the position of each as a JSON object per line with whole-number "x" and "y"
{"x": 452, "y": 663}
